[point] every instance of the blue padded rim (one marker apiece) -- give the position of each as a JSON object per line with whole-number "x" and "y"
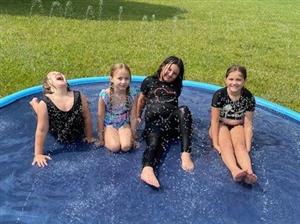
{"x": 73, "y": 82}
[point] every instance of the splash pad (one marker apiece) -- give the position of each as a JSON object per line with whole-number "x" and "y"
{"x": 85, "y": 184}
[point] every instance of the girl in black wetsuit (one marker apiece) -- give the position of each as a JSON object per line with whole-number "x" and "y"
{"x": 61, "y": 112}
{"x": 231, "y": 124}
{"x": 159, "y": 95}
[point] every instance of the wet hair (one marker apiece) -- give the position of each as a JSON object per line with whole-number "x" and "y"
{"x": 113, "y": 69}
{"x": 173, "y": 60}
{"x": 47, "y": 86}
{"x": 239, "y": 68}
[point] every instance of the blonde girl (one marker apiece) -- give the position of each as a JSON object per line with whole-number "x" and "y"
{"x": 63, "y": 113}
{"x": 116, "y": 111}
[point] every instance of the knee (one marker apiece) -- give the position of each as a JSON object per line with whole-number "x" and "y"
{"x": 209, "y": 133}
{"x": 126, "y": 147}
{"x": 113, "y": 147}
{"x": 152, "y": 144}
{"x": 152, "y": 140}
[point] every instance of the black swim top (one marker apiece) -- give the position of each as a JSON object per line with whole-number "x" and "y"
{"x": 66, "y": 126}
{"x": 161, "y": 97}
{"x": 233, "y": 109}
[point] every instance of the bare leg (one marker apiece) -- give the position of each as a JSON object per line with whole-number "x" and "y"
{"x": 149, "y": 177}
{"x": 187, "y": 162}
{"x": 209, "y": 133}
{"x": 211, "y": 141}
{"x": 111, "y": 139}
{"x": 227, "y": 154}
{"x": 125, "y": 135}
{"x": 241, "y": 153}
{"x": 239, "y": 145}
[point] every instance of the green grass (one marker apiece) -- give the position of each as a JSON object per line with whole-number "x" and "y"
{"x": 208, "y": 35}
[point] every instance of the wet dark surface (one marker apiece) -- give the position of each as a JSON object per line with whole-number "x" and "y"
{"x": 85, "y": 184}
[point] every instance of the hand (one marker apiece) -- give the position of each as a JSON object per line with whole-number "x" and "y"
{"x": 138, "y": 121}
{"x": 135, "y": 142}
{"x": 40, "y": 160}
{"x": 99, "y": 143}
{"x": 89, "y": 140}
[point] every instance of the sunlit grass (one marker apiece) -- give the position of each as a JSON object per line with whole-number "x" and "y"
{"x": 208, "y": 35}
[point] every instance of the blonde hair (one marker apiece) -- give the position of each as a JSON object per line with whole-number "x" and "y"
{"x": 113, "y": 69}
{"x": 119, "y": 66}
{"x": 47, "y": 86}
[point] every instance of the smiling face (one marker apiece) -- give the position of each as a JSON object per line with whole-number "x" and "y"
{"x": 235, "y": 81}
{"x": 120, "y": 79}
{"x": 56, "y": 79}
{"x": 169, "y": 73}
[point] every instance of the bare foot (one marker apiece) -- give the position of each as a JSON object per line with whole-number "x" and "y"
{"x": 250, "y": 178}
{"x": 149, "y": 177}
{"x": 240, "y": 176}
{"x": 186, "y": 162}
{"x": 34, "y": 103}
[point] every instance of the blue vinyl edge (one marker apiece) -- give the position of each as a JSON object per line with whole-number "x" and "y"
{"x": 89, "y": 80}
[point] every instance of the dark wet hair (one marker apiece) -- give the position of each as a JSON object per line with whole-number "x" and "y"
{"x": 176, "y": 61}
{"x": 239, "y": 68}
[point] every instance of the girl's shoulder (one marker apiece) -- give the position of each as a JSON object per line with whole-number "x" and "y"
{"x": 221, "y": 92}
{"x": 151, "y": 78}
{"x": 247, "y": 92}
{"x": 104, "y": 94}
{"x": 76, "y": 94}
{"x": 148, "y": 83}
{"x": 48, "y": 98}
{"x": 219, "y": 97}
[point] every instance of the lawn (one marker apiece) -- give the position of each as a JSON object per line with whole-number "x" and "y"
{"x": 84, "y": 38}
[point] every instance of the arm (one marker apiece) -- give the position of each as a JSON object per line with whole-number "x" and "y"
{"x": 133, "y": 118}
{"x": 248, "y": 128}
{"x": 141, "y": 101}
{"x": 214, "y": 127}
{"x": 101, "y": 114}
{"x": 40, "y": 135}
{"x": 88, "y": 125}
